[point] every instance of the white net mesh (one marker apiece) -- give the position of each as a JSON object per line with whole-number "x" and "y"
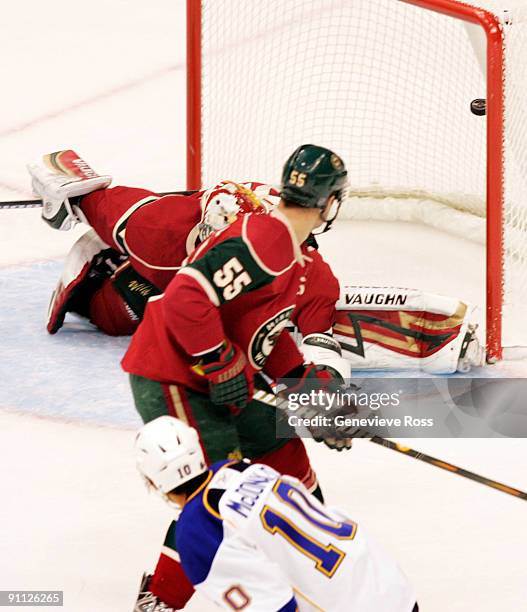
{"x": 386, "y": 85}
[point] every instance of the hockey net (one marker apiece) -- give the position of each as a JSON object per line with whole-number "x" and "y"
{"x": 388, "y": 85}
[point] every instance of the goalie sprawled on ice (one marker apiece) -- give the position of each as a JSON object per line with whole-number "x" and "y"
{"x": 139, "y": 240}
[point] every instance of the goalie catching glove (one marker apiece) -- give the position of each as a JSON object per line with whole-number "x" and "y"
{"x": 230, "y": 381}
{"x": 326, "y": 401}
{"x": 59, "y": 179}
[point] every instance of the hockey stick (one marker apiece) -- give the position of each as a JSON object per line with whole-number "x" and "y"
{"x": 270, "y": 400}
{"x": 449, "y": 467}
{"x": 38, "y": 203}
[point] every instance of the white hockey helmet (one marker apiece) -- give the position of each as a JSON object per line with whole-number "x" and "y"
{"x": 224, "y": 203}
{"x": 168, "y": 453}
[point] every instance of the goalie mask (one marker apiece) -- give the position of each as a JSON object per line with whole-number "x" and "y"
{"x": 225, "y": 203}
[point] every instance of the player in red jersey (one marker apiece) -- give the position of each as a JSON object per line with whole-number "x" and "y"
{"x": 222, "y": 319}
{"x": 139, "y": 240}
{"x": 155, "y": 233}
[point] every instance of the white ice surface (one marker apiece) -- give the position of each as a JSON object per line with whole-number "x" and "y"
{"x": 75, "y": 517}
{"x": 109, "y": 81}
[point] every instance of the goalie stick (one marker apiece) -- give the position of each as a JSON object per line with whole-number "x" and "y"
{"x": 38, "y": 203}
{"x": 269, "y": 399}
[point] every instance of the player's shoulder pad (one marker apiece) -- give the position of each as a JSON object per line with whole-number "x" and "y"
{"x": 246, "y": 494}
{"x": 271, "y": 242}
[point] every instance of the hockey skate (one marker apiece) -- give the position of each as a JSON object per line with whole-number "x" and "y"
{"x": 147, "y": 601}
{"x": 59, "y": 179}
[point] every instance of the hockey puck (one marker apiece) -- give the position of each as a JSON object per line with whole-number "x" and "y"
{"x": 478, "y": 106}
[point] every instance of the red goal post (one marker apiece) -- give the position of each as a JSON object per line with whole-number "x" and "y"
{"x": 492, "y": 26}
{"x": 495, "y": 140}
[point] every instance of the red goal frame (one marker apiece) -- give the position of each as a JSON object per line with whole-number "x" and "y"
{"x": 495, "y": 136}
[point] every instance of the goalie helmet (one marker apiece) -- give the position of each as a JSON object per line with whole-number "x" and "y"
{"x": 168, "y": 453}
{"x": 223, "y": 204}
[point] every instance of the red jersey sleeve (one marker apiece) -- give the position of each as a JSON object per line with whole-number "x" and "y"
{"x": 105, "y": 208}
{"x": 170, "y": 583}
{"x": 155, "y": 231}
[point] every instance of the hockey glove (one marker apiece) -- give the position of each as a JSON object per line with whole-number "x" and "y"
{"x": 328, "y": 402}
{"x": 311, "y": 377}
{"x": 230, "y": 381}
{"x": 325, "y": 351}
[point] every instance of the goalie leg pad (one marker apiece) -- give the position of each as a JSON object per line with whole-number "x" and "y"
{"x": 110, "y": 313}
{"x": 87, "y": 265}
{"x": 391, "y": 328}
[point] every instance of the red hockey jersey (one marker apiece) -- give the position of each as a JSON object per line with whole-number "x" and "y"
{"x": 242, "y": 284}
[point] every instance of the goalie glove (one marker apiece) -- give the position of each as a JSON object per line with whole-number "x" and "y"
{"x": 325, "y": 352}
{"x": 59, "y": 179}
{"x": 228, "y": 375}
{"x": 147, "y": 601}
{"x": 328, "y": 402}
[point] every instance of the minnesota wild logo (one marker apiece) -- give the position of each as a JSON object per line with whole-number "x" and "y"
{"x": 266, "y": 335}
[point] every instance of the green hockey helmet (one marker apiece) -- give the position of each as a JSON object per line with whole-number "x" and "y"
{"x": 311, "y": 175}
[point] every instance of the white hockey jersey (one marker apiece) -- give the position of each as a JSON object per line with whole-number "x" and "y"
{"x": 251, "y": 539}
